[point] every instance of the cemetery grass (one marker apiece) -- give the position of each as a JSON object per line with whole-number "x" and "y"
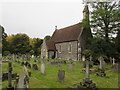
{"x": 50, "y": 79}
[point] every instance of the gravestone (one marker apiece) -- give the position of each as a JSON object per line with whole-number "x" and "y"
{"x": 61, "y": 75}
{"x": 101, "y": 70}
{"x": 58, "y": 65}
{"x": 10, "y": 76}
{"x": 35, "y": 67}
{"x": 29, "y": 66}
{"x": 4, "y": 76}
{"x": 22, "y": 63}
{"x": 116, "y": 68}
{"x": 87, "y": 83}
{"x": 70, "y": 68}
{"x": 42, "y": 68}
{"x": 113, "y": 61}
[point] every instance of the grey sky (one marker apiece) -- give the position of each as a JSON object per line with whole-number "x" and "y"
{"x": 39, "y": 18}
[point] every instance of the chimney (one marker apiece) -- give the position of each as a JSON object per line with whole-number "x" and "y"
{"x": 55, "y": 27}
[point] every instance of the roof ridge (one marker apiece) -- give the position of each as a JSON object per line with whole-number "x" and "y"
{"x": 69, "y": 26}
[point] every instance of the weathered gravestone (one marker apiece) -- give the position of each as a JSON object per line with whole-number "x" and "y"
{"x": 10, "y": 76}
{"x": 35, "y": 67}
{"x": 87, "y": 83}
{"x": 28, "y": 65}
{"x": 70, "y": 68}
{"x": 116, "y": 68}
{"x": 84, "y": 62}
{"x": 5, "y": 76}
{"x": 101, "y": 70}
{"x": 113, "y": 61}
{"x": 61, "y": 75}
{"x": 42, "y": 68}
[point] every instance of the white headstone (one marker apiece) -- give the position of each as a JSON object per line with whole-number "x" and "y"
{"x": 101, "y": 59}
{"x": 83, "y": 58}
{"x": 42, "y": 68}
{"x": 113, "y": 61}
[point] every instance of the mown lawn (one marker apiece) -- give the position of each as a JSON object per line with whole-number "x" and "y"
{"x": 50, "y": 80}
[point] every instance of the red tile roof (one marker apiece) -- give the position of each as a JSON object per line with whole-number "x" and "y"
{"x": 70, "y": 33}
{"x": 50, "y": 45}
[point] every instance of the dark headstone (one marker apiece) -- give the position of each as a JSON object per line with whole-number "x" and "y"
{"x": 35, "y": 67}
{"x": 22, "y": 63}
{"x": 61, "y": 75}
{"x": 28, "y": 65}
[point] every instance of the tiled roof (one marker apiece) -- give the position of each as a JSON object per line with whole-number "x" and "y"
{"x": 70, "y": 33}
{"x": 50, "y": 45}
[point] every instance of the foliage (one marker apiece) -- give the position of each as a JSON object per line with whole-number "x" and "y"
{"x": 98, "y": 48}
{"x": 36, "y": 45}
{"x": 4, "y": 42}
{"x": 105, "y": 19}
{"x": 5, "y": 53}
{"x": 47, "y": 37}
{"x": 117, "y": 44}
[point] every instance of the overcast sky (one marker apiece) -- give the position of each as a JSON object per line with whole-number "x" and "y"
{"x": 38, "y": 18}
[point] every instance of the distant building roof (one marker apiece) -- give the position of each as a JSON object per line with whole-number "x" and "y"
{"x": 70, "y": 33}
{"x": 50, "y": 45}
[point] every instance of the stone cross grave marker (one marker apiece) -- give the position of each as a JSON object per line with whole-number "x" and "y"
{"x": 9, "y": 76}
{"x": 113, "y": 61}
{"x": 101, "y": 62}
{"x": 87, "y": 70}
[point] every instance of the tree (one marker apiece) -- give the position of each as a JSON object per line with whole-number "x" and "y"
{"x": 117, "y": 43}
{"x": 105, "y": 19}
{"x": 21, "y": 43}
{"x": 47, "y": 37}
{"x": 36, "y": 45}
{"x": 4, "y": 42}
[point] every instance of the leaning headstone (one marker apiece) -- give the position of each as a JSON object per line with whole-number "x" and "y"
{"x": 42, "y": 68}
{"x": 61, "y": 75}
